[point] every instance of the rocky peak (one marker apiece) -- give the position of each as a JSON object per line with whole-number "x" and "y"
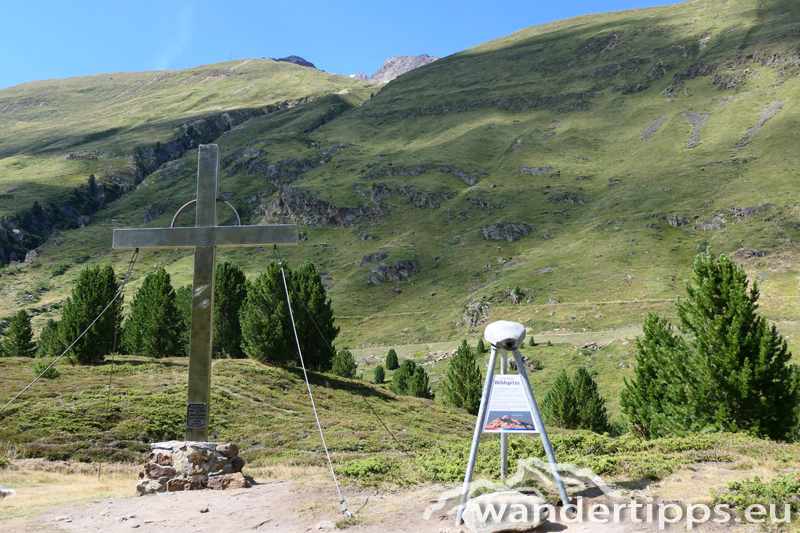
{"x": 359, "y": 77}
{"x": 395, "y": 66}
{"x": 297, "y": 60}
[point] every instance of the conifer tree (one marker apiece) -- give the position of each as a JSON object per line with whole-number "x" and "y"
{"x": 379, "y": 375}
{"x": 267, "y": 333}
{"x": 344, "y": 364}
{"x": 154, "y": 325}
{"x": 481, "y": 348}
{"x": 732, "y": 373}
{"x": 399, "y": 384}
{"x": 592, "y": 414}
{"x": 656, "y": 405}
{"x": 317, "y": 331}
{"x": 93, "y": 291}
{"x": 50, "y": 343}
{"x": 183, "y": 301}
{"x": 391, "y": 360}
{"x": 411, "y": 380}
{"x": 418, "y": 384}
{"x": 462, "y": 387}
{"x": 559, "y": 407}
{"x": 230, "y": 291}
{"x": 575, "y": 403}
{"x": 19, "y": 337}
{"x": 264, "y": 316}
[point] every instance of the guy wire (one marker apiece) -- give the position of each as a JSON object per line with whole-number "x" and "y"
{"x": 333, "y": 352}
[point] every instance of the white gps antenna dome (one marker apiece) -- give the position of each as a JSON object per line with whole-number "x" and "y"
{"x": 504, "y": 334}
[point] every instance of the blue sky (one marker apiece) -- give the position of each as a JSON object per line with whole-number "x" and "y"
{"x": 58, "y": 39}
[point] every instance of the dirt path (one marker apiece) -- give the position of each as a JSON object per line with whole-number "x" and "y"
{"x": 292, "y": 506}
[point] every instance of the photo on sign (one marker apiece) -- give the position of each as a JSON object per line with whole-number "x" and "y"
{"x": 505, "y": 421}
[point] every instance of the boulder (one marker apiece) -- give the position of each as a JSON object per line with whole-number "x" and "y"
{"x": 398, "y": 271}
{"x": 475, "y": 314}
{"x": 678, "y": 222}
{"x": 504, "y": 511}
{"x": 379, "y": 192}
{"x": 374, "y": 257}
{"x": 509, "y": 231}
{"x": 227, "y": 449}
{"x": 228, "y": 481}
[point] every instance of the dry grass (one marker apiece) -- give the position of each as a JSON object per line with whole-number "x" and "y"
{"x": 285, "y": 469}
{"x": 42, "y": 484}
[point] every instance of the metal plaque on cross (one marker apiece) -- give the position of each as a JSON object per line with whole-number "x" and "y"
{"x": 204, "y": 237}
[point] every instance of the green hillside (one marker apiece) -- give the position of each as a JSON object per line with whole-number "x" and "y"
{"x": 616, "y": 146}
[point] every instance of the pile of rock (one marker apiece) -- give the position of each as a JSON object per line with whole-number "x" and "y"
{"x": 178, "y": 465}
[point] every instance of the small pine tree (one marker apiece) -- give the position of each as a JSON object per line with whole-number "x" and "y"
{"x": 655, "y": 406}
{"x": 50, "y": 343}
{"x": 575, "y": 403}
{"x": 411, "y": 380}
{"x": 93, "y": 291}
{"x": 41, "y": 368}
{"x": 344, "y": 365}
{"x": 380, "y": 375}
{"x": 399, "y": 384}
{"x": 559, "y": 407}
{"x": 592, "y": 414}
{"x": 531, "y": 342}
{"x": 391, "y": 360}
{"x": 19, "y": 337}
{"x": 463, "y": 387}
{"x": 481, "y": 348}
{"x": 230, "y": 291}
{"x": 418, "y": 384}
{"x": 154, "y": 325}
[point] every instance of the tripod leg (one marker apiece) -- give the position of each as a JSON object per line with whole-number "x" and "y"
{"x": 473, "y": 452}
{"x": 537, "y": 418}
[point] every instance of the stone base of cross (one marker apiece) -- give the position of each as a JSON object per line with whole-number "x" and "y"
{"x": 204, "y": 237}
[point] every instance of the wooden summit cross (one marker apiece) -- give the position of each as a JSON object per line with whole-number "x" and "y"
{"x": 204, "y": 238}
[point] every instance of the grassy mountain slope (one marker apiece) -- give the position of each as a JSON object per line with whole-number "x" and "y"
{"x": 114, "y": 114}
{"x": 626, "y": 142}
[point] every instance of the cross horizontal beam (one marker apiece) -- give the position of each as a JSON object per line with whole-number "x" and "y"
{"x": 228, "y": 236}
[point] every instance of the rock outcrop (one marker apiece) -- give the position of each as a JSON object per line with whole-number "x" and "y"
{"x": 395, "y": 66}
{"x": 297, "y": 203}
{"x": 396, "y": 272}
{"x": 297, "y": 60}
{"x": 475, "y": 314}
{"x": 509, "y": 231}
{"x": 178, "y": 465}
{"x": 375, "y": 257}
{"x": 536, "y": 171}
{"x": 387, "y": 171}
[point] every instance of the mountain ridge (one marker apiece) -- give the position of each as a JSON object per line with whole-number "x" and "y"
{"x": 619, "y": 151}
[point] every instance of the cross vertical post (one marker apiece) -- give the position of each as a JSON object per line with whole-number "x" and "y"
{"x": 200, "y": 343}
